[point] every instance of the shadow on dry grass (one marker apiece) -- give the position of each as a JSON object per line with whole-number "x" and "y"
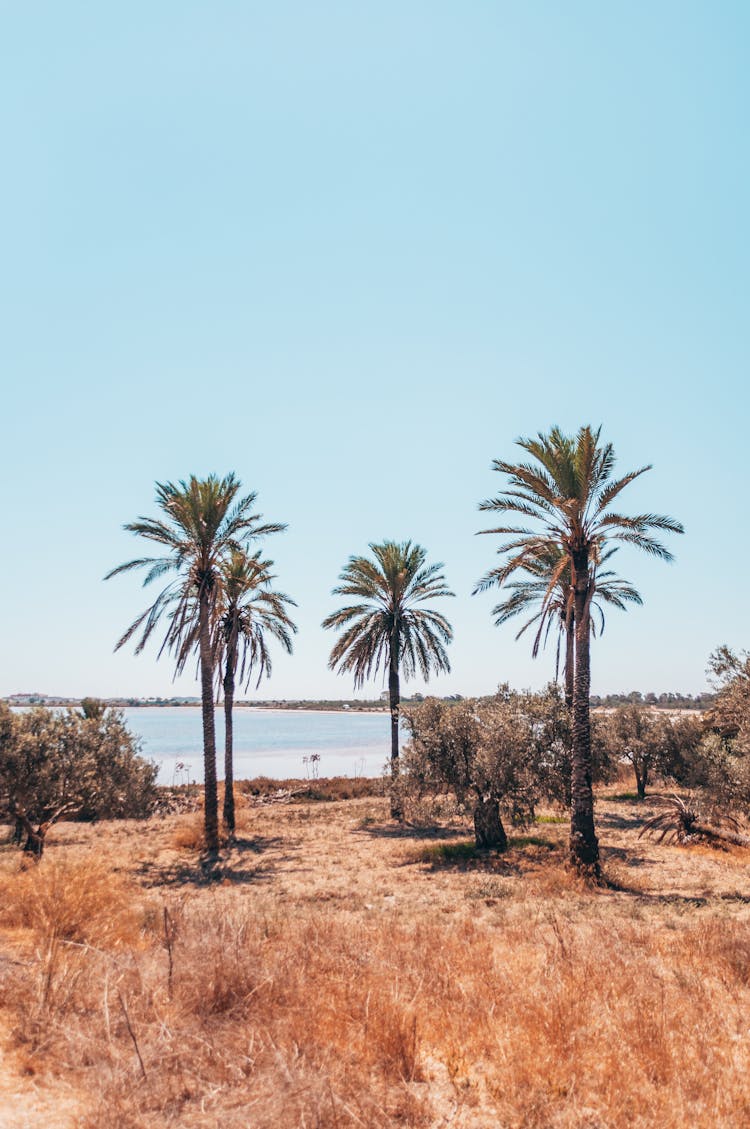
{"x": 406, "y": 830}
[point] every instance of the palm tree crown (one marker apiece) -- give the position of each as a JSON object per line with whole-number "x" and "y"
{"x": 529, "y": 594}
{"x": 250, "y": 613}
{"x": 203, "y": 524}
{"x": 569, "y": 492}
{"x": 389, "y": 617}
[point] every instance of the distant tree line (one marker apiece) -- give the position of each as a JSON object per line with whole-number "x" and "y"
{"x": 670, "y": 701}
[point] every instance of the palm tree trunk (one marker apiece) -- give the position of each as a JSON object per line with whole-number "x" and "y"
{"x": 394, "y": 696}
{"x": 231, "y": 661}
{"x": 569, "y": 664}
{"x": 584, "y": 847}
{"x": 211, "y": 813}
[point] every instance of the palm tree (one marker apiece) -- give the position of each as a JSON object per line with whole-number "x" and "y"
{"x": 566, "y": 493}
{"x": 249, "y": 613}
{"x": 389, "y": 627}
{"x": 203, "y": 523}
{"x": 557, "y": 608}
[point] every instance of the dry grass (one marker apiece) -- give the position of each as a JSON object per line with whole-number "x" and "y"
{"x": 339, "y": 973}
{"x": 76, "y": 901}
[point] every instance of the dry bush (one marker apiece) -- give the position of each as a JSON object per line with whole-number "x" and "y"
{"x": 189, "y": 833}
{"x": 75, "y": 914}
{"x": 79, "y": 900}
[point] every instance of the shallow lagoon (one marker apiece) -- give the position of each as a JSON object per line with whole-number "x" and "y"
{"x": 266, "y": 742}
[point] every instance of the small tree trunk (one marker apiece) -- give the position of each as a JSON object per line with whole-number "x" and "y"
{"x": 34, "y": 844}
{"x": 488, "y": 826}
{"x": 211, "y": 814}
{"x": 394, "y": 697}
{"x": 231, "y": 661}
{"x": 18, "y": 832}
{"x": 584, "y": 847}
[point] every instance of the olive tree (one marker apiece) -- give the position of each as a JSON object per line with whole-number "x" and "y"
{"x": 60, "y": 763}
{"x": 494, "y": 754}
{"x": 638, "y": 737}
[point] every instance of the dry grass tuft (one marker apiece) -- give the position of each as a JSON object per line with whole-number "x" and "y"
{"x": 72, "y": 900}
{"x": 189, "y": 831}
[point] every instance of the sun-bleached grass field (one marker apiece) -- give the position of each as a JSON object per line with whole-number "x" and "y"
{"x": 345, "y": 972}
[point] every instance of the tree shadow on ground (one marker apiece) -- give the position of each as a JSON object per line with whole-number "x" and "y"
{"x": 647, "y": 897}
{"x": 483, "y": 862}
{"x": 623, "y": 822}
{"x": 411, "y": 831}
{"x": 524, "y": 853}
{"x": 626, "y": 856}
{"x": 231, "y": 868}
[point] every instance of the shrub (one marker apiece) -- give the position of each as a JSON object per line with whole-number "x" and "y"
{"x": 652, "y": 743}
{"x": 53, "y": 763}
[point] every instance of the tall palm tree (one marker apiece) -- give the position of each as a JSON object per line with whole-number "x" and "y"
{"x": 530, "y": 594}
{"x": 389, "y": 627}
{"x": 250, "y": 613}
{"x": 203, "y": 522}
{"x": 566, "y": 493}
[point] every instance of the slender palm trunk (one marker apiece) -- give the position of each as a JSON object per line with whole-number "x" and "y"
{"x": 231, "y": 661}
{"x": 584, "y": 847}
{"x": 569, "y": 663}
{"x": 209, "y": 734}
{"x": 394, "y": 696}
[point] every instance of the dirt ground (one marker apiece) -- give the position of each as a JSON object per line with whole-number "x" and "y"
{"x": 493, "y": 957}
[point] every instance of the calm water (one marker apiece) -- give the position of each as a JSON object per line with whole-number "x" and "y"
{"x": 266, "y": 742}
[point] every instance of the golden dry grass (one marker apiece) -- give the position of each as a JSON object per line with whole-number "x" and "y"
{"x": 338, "y": 971}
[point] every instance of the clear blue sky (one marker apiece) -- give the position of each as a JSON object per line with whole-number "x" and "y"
{"x": 352, "y": 252}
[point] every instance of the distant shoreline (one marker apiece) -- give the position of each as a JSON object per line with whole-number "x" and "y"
{"x": 25, "y": 702}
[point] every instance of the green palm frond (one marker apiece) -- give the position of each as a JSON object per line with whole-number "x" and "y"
{"x": 249, "y": 615}
{"x": 388, "y": 621}
{"x": 568, "y": 489}
{"x": 204, "y": 522}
